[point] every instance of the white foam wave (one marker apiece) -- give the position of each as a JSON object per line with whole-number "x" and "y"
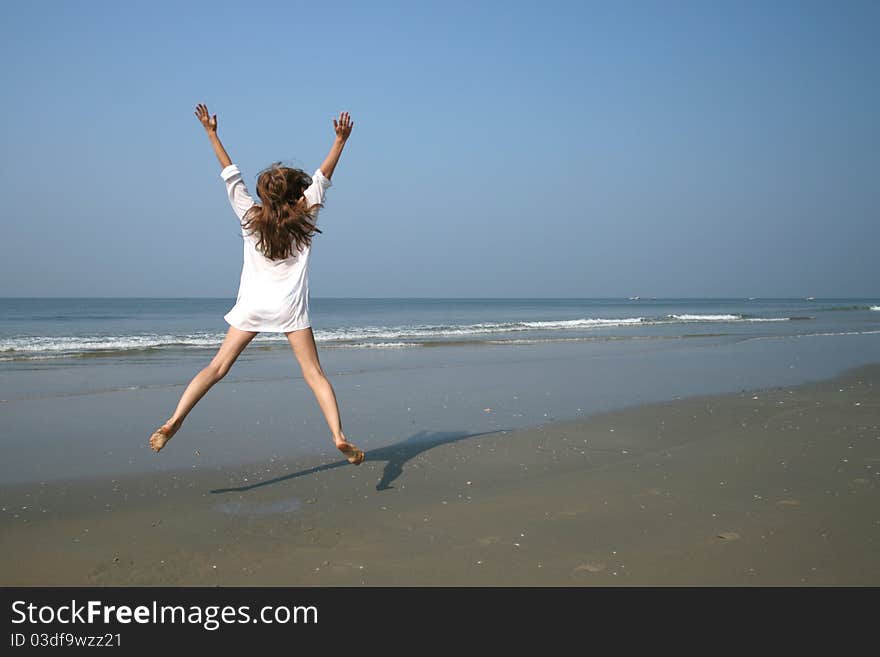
{"x": 875, "y": 307}
{"x": 382, "y": 337}
{"x": 425, "y": 331}
{"x": 378, "y": 345}
{"x": 725, "y": 318}
{"x": 812, "y": 335}
{"x": 52, "y": 347}
{"x": 578, "y": 323}
{"x": 705, "y": 318}
{"x": 43, "y": 344}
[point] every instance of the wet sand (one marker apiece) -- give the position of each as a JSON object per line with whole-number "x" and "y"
{"x": 770, "y": 487}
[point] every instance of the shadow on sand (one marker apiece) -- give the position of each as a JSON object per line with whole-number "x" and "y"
{"x": 395, "y": 456}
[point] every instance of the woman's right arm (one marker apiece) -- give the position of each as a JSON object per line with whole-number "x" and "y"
{"x": 343, "y": 130}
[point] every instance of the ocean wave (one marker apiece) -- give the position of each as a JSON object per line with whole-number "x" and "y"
{"x": 730, "y": 318}
{"x": 425, "y": 331}
{"x": 417, "y": 332}
{"x": 382, "y": 337}
{"x": 51, "y": 347}
{"x": 113, "y": 342}
{"x": 579, "y": 323}
{"x": 605, "y": 338}
{"x": 811, "y": 335}
{"x": 706, "y": 318}
{"x": 378, "y": 345}
{"x": 845, "y": 308}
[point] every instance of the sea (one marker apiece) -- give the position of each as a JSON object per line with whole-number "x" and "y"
{"x": 60, "y": 330}
{"x": 84, "y": 381}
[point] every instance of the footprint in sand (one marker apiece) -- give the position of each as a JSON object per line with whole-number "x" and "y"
{"x": 590, "y": 567}
{"x": 728, "y": 536}
{"x": 488, "y": 540}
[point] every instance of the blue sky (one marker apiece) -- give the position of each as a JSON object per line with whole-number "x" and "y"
{"x": 499, "y": 149}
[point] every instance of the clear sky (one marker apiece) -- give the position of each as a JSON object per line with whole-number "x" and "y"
{"x": 540, "y": 149}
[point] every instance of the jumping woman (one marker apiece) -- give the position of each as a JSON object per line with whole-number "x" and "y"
{"x": 273, "y": 295}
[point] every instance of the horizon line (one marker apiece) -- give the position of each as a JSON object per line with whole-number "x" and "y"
{"x": 615, "y": 298}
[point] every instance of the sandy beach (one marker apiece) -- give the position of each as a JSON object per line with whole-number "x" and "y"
{"x": 595, "y": 288}
{"x": 776, "y": 486}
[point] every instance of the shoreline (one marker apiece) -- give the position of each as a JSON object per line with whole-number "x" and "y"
{"x": 265, "y": 408}
{"x": 770, "y": 486}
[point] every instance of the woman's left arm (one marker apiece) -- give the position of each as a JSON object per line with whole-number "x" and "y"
{"x": 210, "y": 124}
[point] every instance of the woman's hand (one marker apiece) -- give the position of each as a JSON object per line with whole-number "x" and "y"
{"x": 344, "y": 126}
{"x": 209, "y": 122}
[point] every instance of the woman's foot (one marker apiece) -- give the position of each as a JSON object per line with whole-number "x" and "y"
{"x": 163, "y": 434}
{"x": 354, "y": 454}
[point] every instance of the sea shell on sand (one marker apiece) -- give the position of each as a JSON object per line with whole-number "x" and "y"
{"x": 590, "y": 567}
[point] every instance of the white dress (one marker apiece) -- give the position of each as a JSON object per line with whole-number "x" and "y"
{"x": 273, "y": 296}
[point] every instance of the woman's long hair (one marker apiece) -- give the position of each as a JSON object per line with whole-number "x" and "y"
{"x": 285, "y": 221}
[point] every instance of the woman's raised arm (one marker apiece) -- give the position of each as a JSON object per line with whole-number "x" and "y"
{"x": 210, "y": 124}
{"x": 343, "y": 130}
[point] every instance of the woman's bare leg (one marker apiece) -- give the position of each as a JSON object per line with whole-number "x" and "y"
{"x": 234, "y": 343}
{"x": 303, "y": 344}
